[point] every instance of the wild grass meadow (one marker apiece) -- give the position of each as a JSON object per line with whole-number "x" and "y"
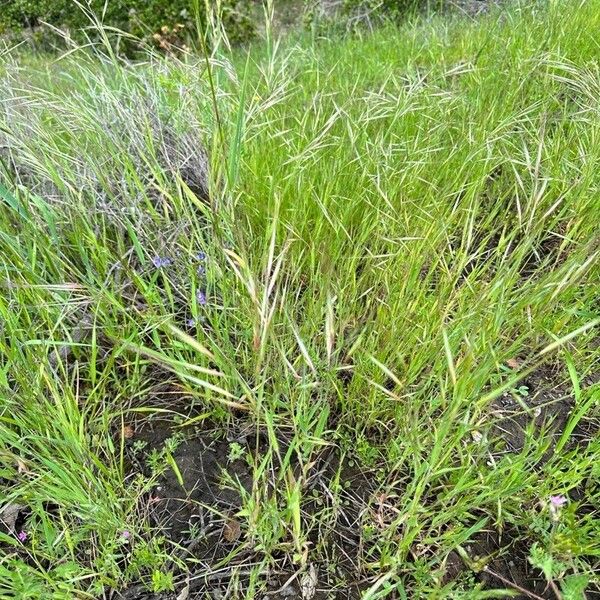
{"x": 316, "y": 318}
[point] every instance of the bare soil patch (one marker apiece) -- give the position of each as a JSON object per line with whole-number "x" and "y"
{"x": 196, "y": 507}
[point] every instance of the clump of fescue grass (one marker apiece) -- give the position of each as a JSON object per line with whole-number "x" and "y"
{"x": 386, "y": 221}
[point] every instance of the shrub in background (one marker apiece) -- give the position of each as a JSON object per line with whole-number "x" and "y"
{"x": 350, "y": 14}
{"x": 165, "y": 23}
{"x": 160, "y": 18}
{"x": 377, "y": 9}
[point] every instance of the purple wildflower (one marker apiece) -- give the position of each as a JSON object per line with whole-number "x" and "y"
{"x": 201, "y": 270}
{"x": 22, "y": 536}
{"x": 556, "y": 503}
{"x": 201, "y": 256}
{"x": 191, "y": 322}
{"x": 201, "y": 297}
{"x": 125, "y": 535}
{"x": 161, "y": 261}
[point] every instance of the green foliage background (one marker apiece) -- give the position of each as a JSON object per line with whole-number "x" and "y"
{"x": 355, "y": 14}
{"x": 141, "y": 18}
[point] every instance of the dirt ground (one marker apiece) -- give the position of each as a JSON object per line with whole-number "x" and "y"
{"x": 199, "y": 516}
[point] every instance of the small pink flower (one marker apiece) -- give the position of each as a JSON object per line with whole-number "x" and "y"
{"x": 125, "y": 535}
{"x": 556, "y": 503}
{"x": 22, "y": 536}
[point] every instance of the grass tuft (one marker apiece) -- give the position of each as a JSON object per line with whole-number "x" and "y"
{"x": 338, "y": 336}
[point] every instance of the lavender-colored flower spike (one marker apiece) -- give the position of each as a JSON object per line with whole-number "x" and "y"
{"x": 201, "y": 297}
{"x": 201, "y": 256}
{"x": 161, "y": 261}
{"x": 22, "y": 536}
